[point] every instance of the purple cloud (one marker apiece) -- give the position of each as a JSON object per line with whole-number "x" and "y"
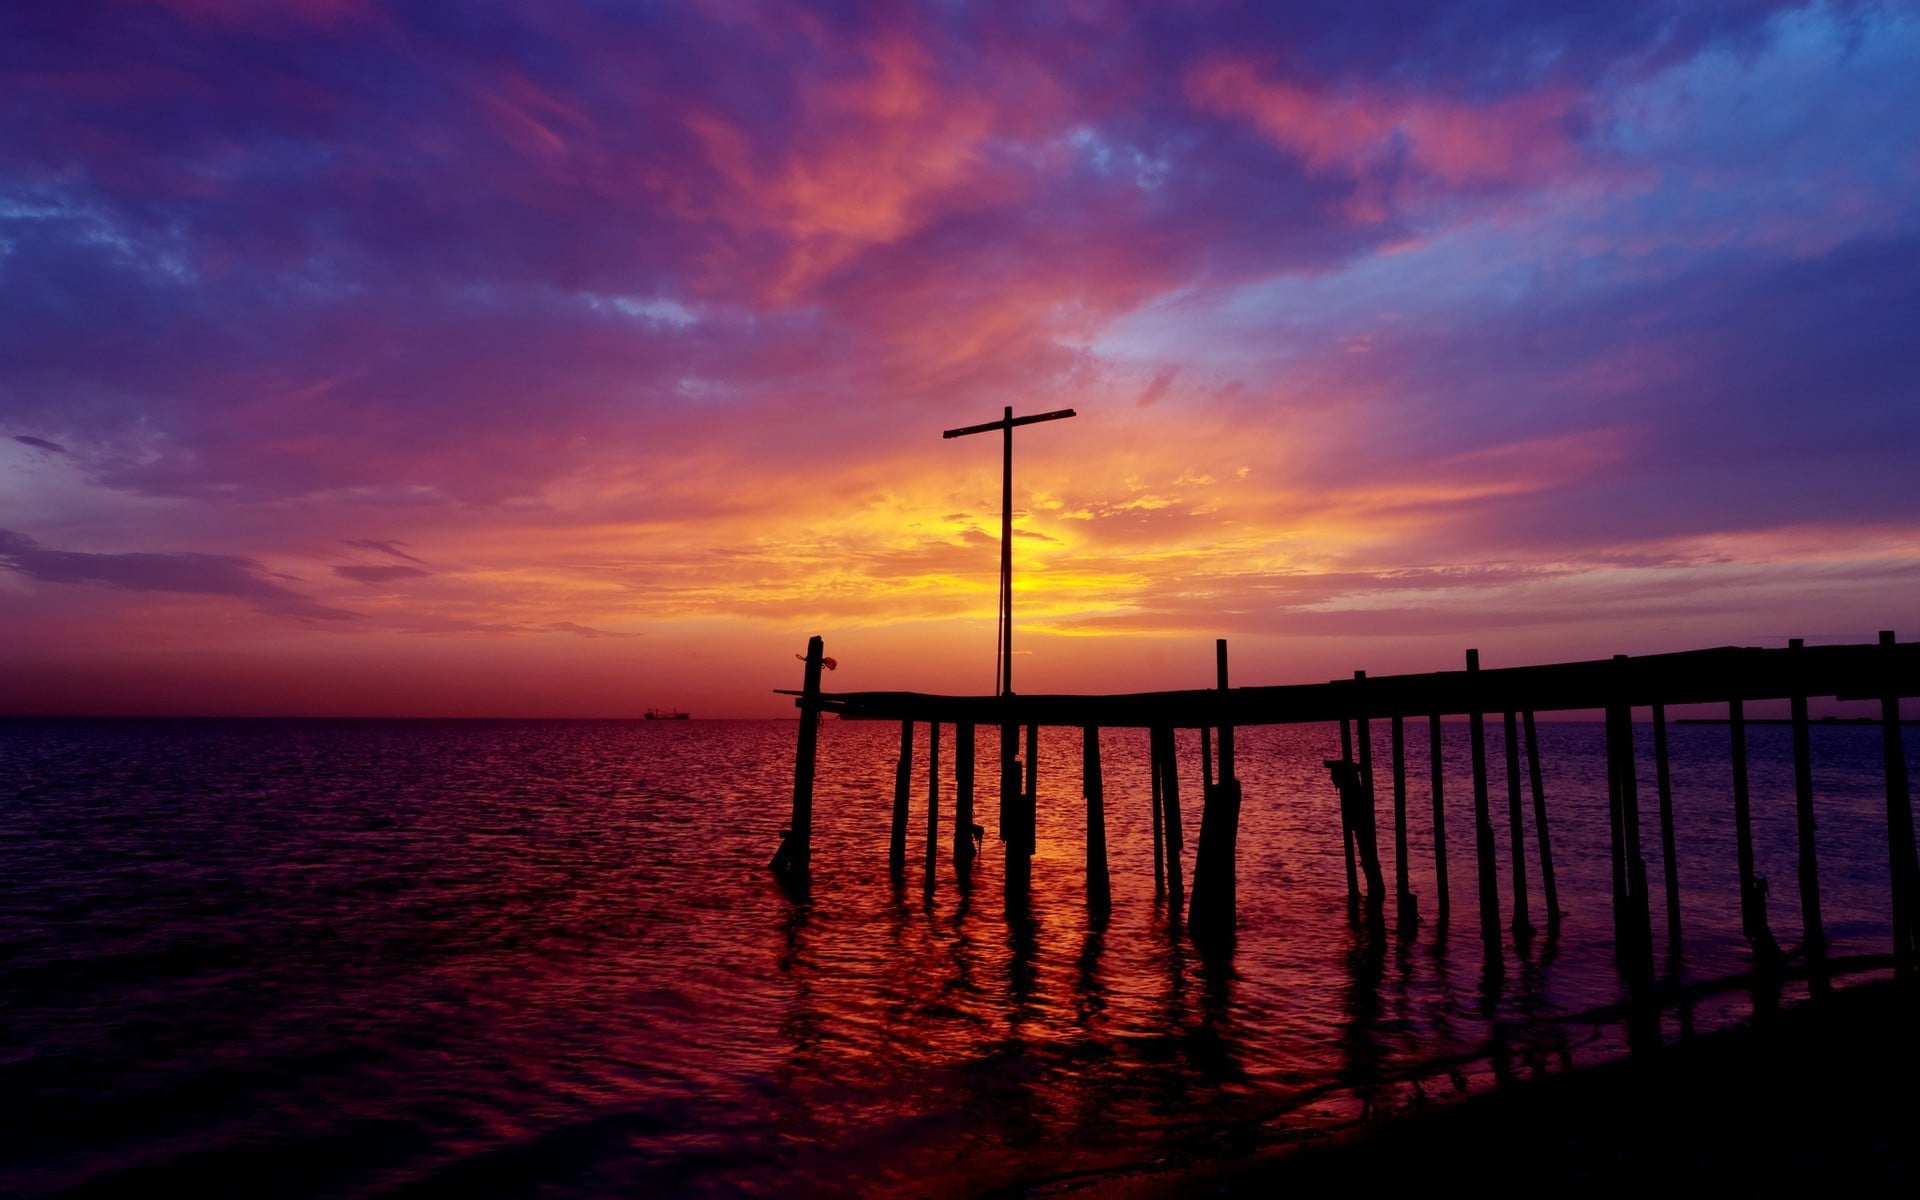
{"x": 197, "y": 574}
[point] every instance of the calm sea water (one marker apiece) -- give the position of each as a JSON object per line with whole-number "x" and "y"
{"x": 418, "y": 958}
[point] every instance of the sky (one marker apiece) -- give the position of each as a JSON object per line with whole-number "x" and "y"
{"x": 571, "y": 358}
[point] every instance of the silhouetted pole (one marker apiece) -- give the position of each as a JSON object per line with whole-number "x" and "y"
{"x": 1540, "y": 821}
{"x": 1019, "y": 859}
{"x": 902, "y": 789}
{"x": 1215, "y": 900}
{"x": 1170, "y": 805}
{"x": 1159, "y": 816}
{"x": 1616, "y": 835}
{"x": 963, "y": 796}
{"x": 1753, "y": 912}
{"x": 1669, "y": 854}
{"x": 1369, "y": 822}
{"x": 1408, "y": 911}
{"x": 1444, "y": 904}
{"x": 1099, "y": 891}
{"x": 933, "y": 798}
{"x": 1482, "y": 818}
{"x": 1814, "y": 935}
{"x": 794, "y": 858}
{"x": 1516, "y": 829}
{"x": 1903, "y": 868}
{"x": 1346, "y": 820}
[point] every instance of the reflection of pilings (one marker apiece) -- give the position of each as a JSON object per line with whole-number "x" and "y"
{"x": 794, "y": 858}
{"x": 963, "y": 795}
{"x": 1168, "y": 769}
{"x": 1516, "y": 829}
{"x": 1407, "y": 913}
{"x": 1098, "y": 888}
{"x": 1346, "y": 821}
{"x": 1903, "y": 870}
{"x": 1540, "y": 822}
{"x": 902, "y": 787}
{"x": 1669, "y": 854}
{"x": 1482, "y": 819}
{"x": 1444, "y": 904}
{"x": 1814, "y": 936}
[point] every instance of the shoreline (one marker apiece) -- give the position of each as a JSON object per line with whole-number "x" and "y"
{"x": 1815, "y": 1097}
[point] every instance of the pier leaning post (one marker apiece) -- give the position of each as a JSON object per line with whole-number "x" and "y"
{"x": 1616, "y": 841}
{"x": 1443, "y": 906}
{"x": 1159, "y": 816}
{"x": 794, "y": 859}
{"x": 1367, "y": 829}
{"x": 1813, "y": 935}
{"x": 1346, "y": 822}
{"x": 933, "y": 799}
{"x": 1030, "y": 794}
{"x": 1540, "y": 822}
{"x": 1516, "y": 828}
{"x": 1669, "y": 854}
{"x": 1099, "y": 889}
{"x": 1753, "y": 895}
{"x": 1019, "y": 861}
{"x": 1215, "y": 903}
{"x": 1408, "y": 912}
{"x": 1170, "y": 806}
{"x": 902, "y": 790}
{"x": 1482, "y": 818}
{"x": 963, "y": 795}
{"x": 1902, "y": 869}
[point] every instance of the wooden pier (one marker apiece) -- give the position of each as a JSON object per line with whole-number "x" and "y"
{"x": 1885, "y": 671}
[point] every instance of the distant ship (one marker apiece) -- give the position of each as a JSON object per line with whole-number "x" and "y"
{"x": 666, "y": 714}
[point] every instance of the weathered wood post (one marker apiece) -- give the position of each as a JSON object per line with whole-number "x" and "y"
{"x": 1902, "y": 867}
{"x": 1814, "y": 935}
{"x": 794, "y": 859}
{"x": 1482, "y": 818}
{"x": 1170, "y": 804}
{"x": 1159, "y": 816}
{"x": 1408, "y": 911}
{"x": 1099, "y": 890}
{"x": 1616, "y": 835}
{"x": 902, "y": 789}
{"x": 1346, "y": 821}
{"x": 1215, "y": 902}
{"x": 1019, "y": 859}
{"x": 1437, "y": 782}
{"x": 1669, "y": 854}
{"x": 1540, "y": 822}
{"x": 1753, "y": 895}
{"x": 963, "y": 847}
{"x": 933, "y": 798}
{"x": 1516, "y": 829}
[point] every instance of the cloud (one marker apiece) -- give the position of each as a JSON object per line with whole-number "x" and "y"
{"x": 389, "y": 548}
{"x": 39, "y": 443}
{"x": 380, "y": 574}
{"x": 195, "y": 574}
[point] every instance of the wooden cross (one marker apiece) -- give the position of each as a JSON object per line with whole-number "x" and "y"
{"x": 1003, "y": 678}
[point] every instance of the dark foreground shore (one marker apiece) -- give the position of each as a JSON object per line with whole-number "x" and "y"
{"x": 1809, "y": 1102}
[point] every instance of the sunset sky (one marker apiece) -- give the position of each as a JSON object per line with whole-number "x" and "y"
{"x": 573, "y": 357}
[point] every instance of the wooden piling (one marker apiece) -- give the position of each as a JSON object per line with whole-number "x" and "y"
{"x": 1482, "y": 819}
{"x": 1813, "y": 930}
{"x": 1170, "y": 807}
{"x": 1753, "y": 911}
{"x": 1215, "y": 901}
{"x": 1616, "y": 835}
{"x": 933, "y": 799}
{"x": 1903, "y": 870}
{"x": 1540, "y": 820}
{"x": 1639, "y": 910}
{"x": 1443, "y": 906}
{"x": 1099, "y": 889}
{"x": 902, "y": 787}
{"x": 1159, "y": 816}
{"x": 1669, "y": 853}
{"x": 1018, "y": 858}
{"x": 963, "y": 847}
{"x": 794, "y": 858}
{"x": 1516, "y": 829}
{"x": 1407, "y": 914}
{"x": 1346, "y": 823}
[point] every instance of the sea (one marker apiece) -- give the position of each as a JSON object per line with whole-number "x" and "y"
{"x": 421, "y": 958}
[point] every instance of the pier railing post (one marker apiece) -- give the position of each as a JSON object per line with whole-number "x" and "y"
{"x": 902, "y": 790}
{"x": 1813, "y": 931}
{"x": 794, "y": 859}
{"x": 1099, "y": 889}
{"x": 1482, "y": 818}
{"x": 1902, "y": 868}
